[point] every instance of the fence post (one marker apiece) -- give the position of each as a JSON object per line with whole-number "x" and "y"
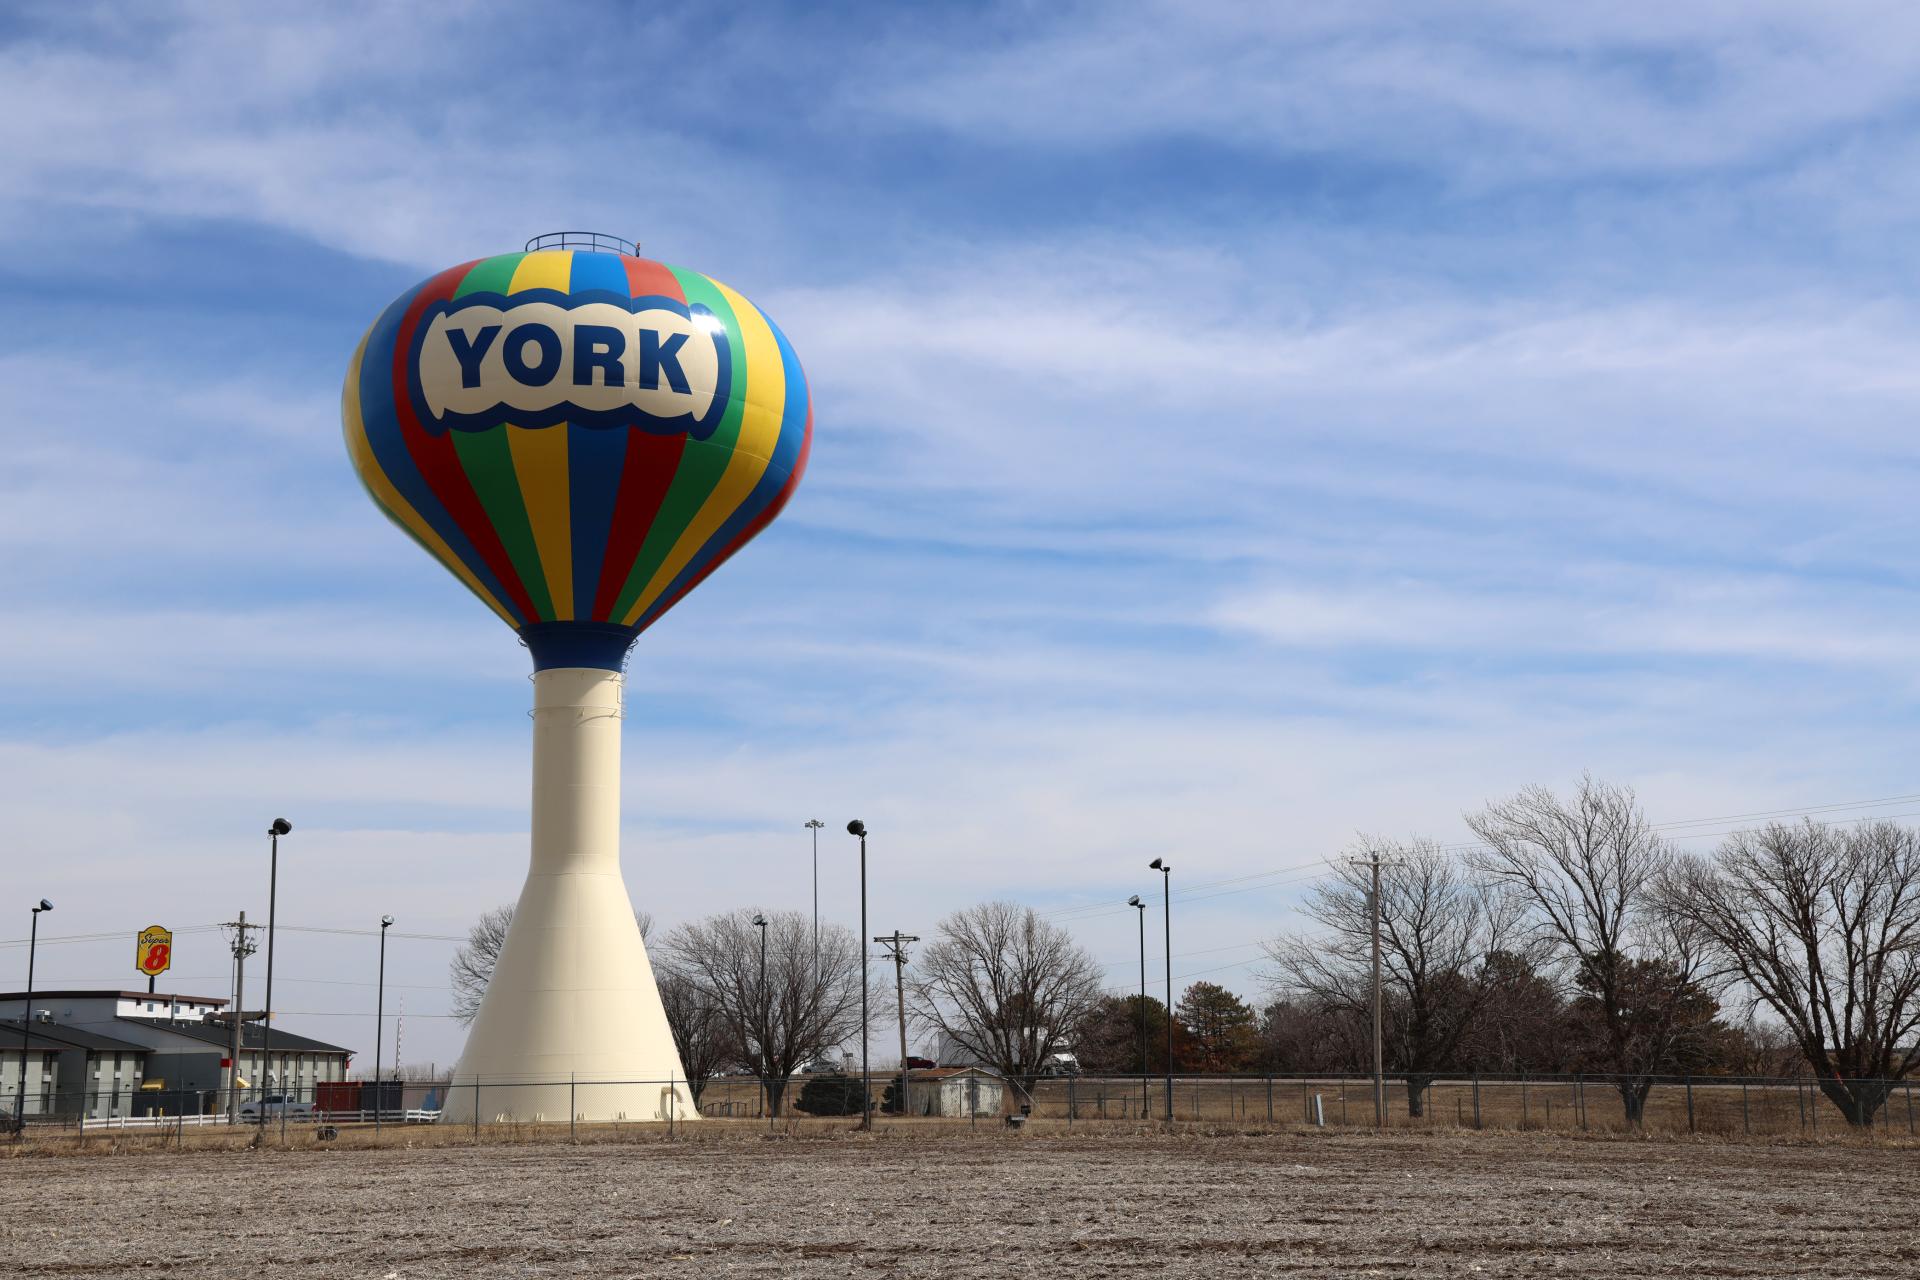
{"x": 1523, "y": 1102}
{"x": 1070, "y": 1104}
{"x": 1813, "y": 1109}
{"x": 1746, "y": 1120}
{"x": 476, "y": 1106}
{"x": 573, "y": 1134}
{"x": 1689, "y": 1080}
{"x": 1270, "y": 1097}
{"x": 1580, "y": 1100}
{"x": 1909, "y": 1107}
{"x": 1476, "y": 1100}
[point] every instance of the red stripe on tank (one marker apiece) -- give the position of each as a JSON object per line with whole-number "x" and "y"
{"x": 648, "y": 469}
{"x": 435, "y": 456}
{"x": 645, "y": 476}
{"x": 648, "y": 278}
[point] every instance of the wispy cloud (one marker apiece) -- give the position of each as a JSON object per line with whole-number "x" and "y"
{"x": 1483, "y": 91}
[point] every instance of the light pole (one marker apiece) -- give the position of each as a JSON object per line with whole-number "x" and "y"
{"x": 380, "y": 1020}
{"x": 760, "y": 998}
{"x": 26, "y": 1019}
{"x": 1166, "y": 908}
{"x": 275, "y": 829}
{"x": 859, "y": 828}
{"x": 1141, "y": 908}
{"x": 813, "y": 825}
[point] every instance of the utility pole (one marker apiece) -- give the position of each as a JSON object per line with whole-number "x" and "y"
{"x": 1372, "y": 861}
{"x": 896, "y": 942}
{"x": 242, "y": 948}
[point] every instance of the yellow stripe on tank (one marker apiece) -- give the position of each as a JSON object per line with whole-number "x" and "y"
{"x": 540, "y": 455}
{"x": 763, "y": 397}
{"x": 546, "y": 269}
{"x": 368, "y": 466}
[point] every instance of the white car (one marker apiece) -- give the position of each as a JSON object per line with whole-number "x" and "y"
{"x": 275, "y": 1104}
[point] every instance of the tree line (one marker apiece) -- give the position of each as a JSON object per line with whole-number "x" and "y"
{"x": 1573, "y": 937}
{"x": 1576, "y": 937}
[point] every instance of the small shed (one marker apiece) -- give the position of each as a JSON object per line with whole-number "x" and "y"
{"x": 955, "y": 1092}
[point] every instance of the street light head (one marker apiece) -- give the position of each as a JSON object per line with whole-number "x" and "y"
{"x": 386, "y": 922}
{"x": 1134, "y": 901}
{"x": 759, "y": 922}
{"x": 856, "y": 828}
{"x": 280, "y": 827}
{"x": 46, "y": 904}
{"x": 815, "y": 823}
{"x": 1159, "y": 864}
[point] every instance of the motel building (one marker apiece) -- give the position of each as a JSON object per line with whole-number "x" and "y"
{"x": 101, "y": 1054}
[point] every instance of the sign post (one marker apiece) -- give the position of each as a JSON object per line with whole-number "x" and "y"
{"x": 153, "y": 952}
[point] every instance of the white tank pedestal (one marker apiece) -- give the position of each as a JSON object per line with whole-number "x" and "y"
{"x": 571, "y": 1023}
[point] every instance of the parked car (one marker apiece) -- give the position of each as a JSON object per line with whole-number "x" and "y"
{"x": 275, "y": 1104}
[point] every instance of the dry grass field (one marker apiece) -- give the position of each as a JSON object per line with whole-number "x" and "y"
{"x": 727, "y": 1199}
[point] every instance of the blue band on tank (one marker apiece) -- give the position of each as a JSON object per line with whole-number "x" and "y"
{"x": 578, "y": 644}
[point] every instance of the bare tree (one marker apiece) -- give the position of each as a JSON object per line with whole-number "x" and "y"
{"x": 1006, "y": 986}
{"x": 1586, "y": 869}
{"x": 1822, "y": 926}
{"x": 472, "y": 966}
{"x": 703, "y": 1035}
{"x": 1438, "y": 929}
{"x": 1307, "y": 1036}
{"x": 793, "y": 1015}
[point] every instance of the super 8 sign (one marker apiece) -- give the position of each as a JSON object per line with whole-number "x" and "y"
{"x": 153, "y": 950}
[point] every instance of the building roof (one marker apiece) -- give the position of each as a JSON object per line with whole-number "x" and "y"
{"x": 251, "y": 1036}
{"x": 98, "y": 993}
{"x": 59, "y": 1034}
{"x": 945, "y": 1073}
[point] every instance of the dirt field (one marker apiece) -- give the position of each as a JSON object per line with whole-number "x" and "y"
{"x": 734, "y": 1202}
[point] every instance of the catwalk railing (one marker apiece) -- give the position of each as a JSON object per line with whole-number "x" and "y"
{"x": 1731, "y": 1105}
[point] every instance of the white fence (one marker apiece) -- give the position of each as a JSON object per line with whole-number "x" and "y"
{"x": 152, "y": 1122}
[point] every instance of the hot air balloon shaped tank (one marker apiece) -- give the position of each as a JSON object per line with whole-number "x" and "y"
{"x": 581, "y": 436}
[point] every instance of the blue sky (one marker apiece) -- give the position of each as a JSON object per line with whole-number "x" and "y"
{"x": 1237, "y": 427}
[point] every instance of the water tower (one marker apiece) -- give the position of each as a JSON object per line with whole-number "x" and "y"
{"x": 581, "y": 435}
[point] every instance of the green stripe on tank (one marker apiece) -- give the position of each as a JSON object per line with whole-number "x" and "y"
{"x": 701, "y": 464}
{"x": 490, "y": 275}
{"x": 487, "y": 459}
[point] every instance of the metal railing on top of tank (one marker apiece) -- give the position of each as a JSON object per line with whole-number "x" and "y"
{"x": 593, "y": 241}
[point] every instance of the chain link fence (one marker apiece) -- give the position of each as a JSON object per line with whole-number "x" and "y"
{"x": 1757, "y": 1107}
